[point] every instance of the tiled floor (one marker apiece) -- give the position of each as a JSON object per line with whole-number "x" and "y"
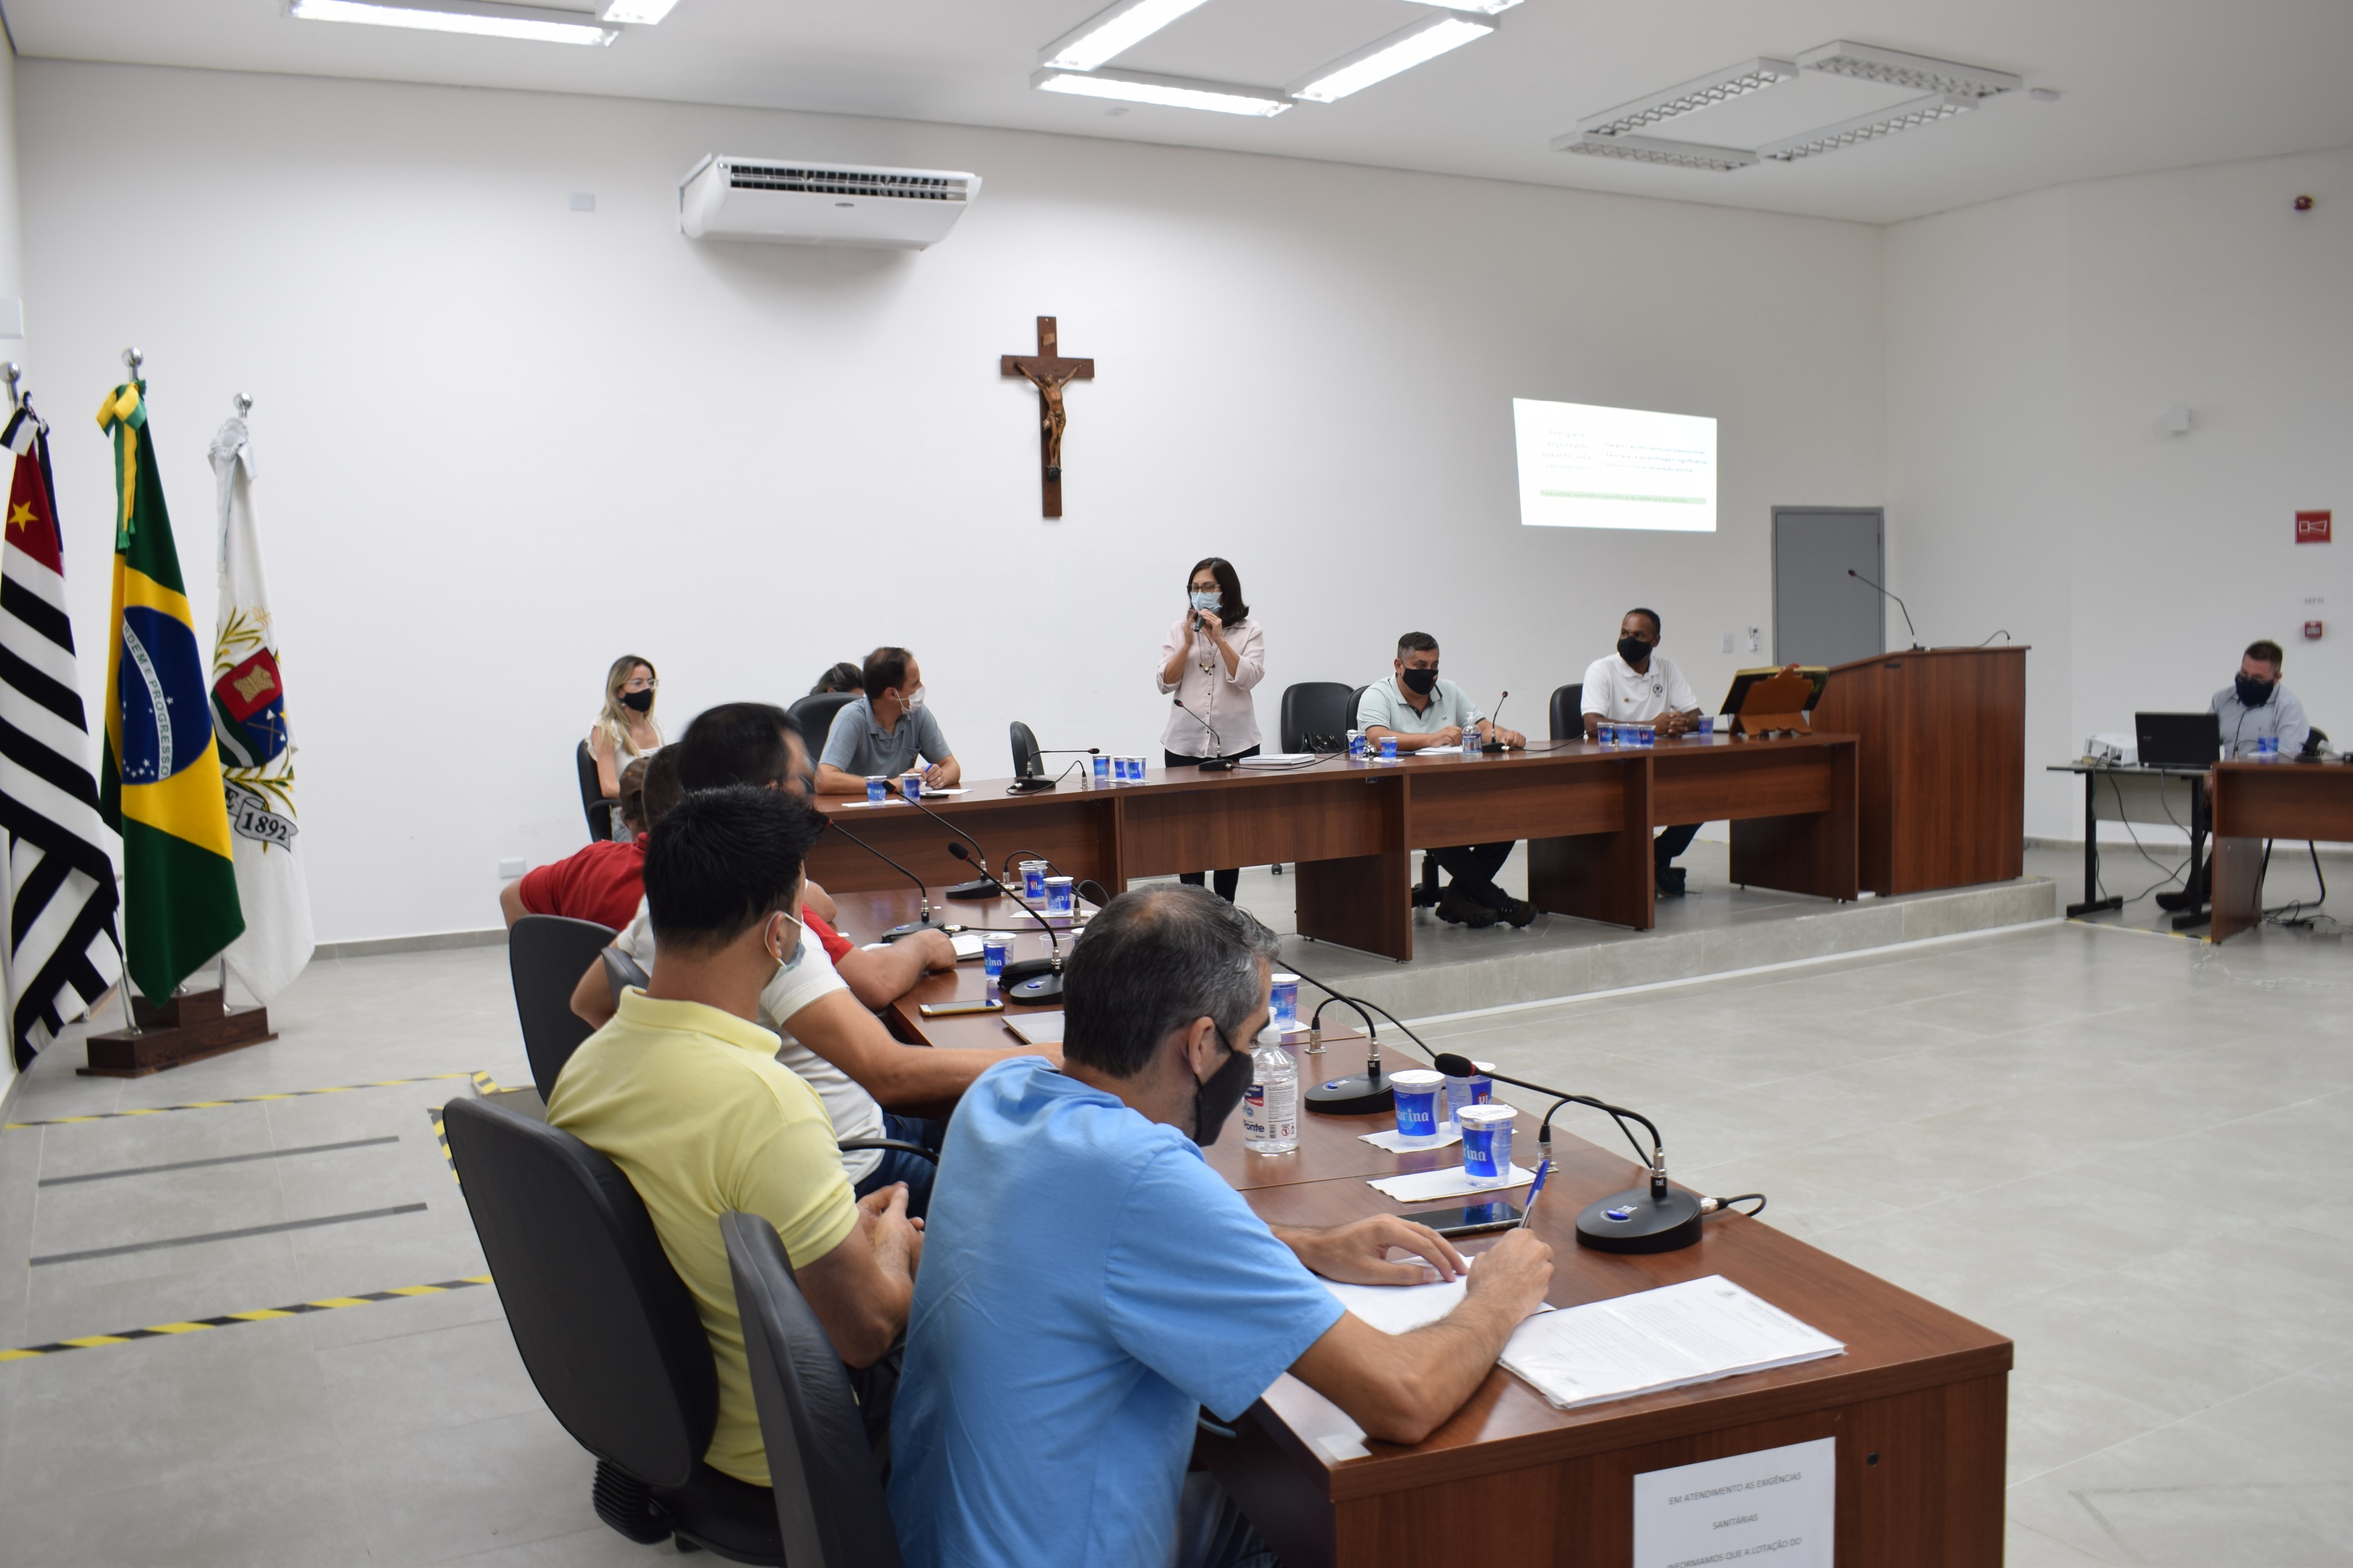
{"x": 2129, "y": 1151}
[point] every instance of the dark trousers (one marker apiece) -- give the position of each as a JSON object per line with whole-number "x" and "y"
{"x": 1671, "y": 842}
{"x": 911, "y": 1169}
{"x": 1227, "y": 880}
{"x": 1472, "y": 867}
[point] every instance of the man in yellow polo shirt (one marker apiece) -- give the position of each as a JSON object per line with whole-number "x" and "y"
{"x": 682, "y": 1091}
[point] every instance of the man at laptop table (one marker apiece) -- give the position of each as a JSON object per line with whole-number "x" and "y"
{"x": 2253, "y": 708}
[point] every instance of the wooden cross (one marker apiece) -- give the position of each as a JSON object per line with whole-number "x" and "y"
{"x": 1049, "y": 372}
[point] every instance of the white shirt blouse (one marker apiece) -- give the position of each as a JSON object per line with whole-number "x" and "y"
{"x": 1621, "y": 694}
{"x": 1222, "y": 700}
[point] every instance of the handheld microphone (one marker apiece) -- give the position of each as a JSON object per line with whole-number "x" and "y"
{"x": 1031, "y": 979}
{"x": 1899, "y": 605}
{"x": 1652, "y": 1219}
{"x": 1210, "y": 764}
{"x": 912, "y": 927}
{"x": 975, "y": 890}
{"x": 1493, "y": 744}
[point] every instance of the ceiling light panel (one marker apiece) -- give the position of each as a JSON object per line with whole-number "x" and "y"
{"x": 1481, "y": 7}
{"x": 458, "y": 17}
{"x": 1112, "y": 32}
{"x": 636, "y": 13}
{"x": 1168, "y": 92}
{"x": 1865, "y": 127}
{"x": 1385, "y": 58}
{"x": 1701, "y": 92}
{"x": 1922, "y": 73}
{"x": 1656, "y": 150}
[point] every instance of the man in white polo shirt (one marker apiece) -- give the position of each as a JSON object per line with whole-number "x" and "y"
{"x": 1640, "y": 684}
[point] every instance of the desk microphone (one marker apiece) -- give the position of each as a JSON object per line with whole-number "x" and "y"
{"x": 973, "y": 890}
{"x": 1899, "y": 605}
{"x": 912, "y": 927}
{"x": 1031, "y": 979}
{"x": 1026, "y": 753}
{"x": 1493, "y": 744}
{"x": 1652, "y": 1219}
{"x": 1210, "y": 764}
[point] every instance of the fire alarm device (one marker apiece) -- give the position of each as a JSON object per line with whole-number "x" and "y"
{"x": 2311, "y": 527}
{"x": 2304, "y": 203}
{"x": 2311, "y": 631}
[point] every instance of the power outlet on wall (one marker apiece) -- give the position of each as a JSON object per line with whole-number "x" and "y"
{"x": 510, "y": 869}
{"x": 1727, "y": 642}
{"x": 1755, "y": 644}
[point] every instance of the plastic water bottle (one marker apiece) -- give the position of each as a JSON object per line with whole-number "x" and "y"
{"x": 1270, "y": 1108}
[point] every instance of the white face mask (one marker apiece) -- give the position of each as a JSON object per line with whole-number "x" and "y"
{"x": 1209, "y": 600}
{"x": 912, "y": 701}
{"x": 800, "y": 937}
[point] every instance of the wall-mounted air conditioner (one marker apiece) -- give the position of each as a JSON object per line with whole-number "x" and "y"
{"x": 789, "y": 201}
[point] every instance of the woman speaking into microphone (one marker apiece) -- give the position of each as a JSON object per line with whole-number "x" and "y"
{"x": 1208, "y": 662}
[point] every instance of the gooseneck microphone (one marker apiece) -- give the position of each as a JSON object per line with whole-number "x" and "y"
{"x": 1494, "y": 722}
{"x": 1899, "y": 605}
{"x": 912, "y": 927}
{"x": 1653, "y": 1218}
{"x": 1210, "y": 764}
{"x": 1031, "y": 979}
{"x": 973, "y": 890}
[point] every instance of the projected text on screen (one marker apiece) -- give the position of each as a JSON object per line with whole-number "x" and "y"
{"x": 1586, "y": 467}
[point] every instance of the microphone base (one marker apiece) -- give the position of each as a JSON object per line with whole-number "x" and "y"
{"x": 1215, "y": 766}
{"x": 1047, "y": 987}
{"x": 1019, "y": 970}
{"x": 909, "y": 929}
{"x": 975, "y": 890}
{"x": 1665, "y": 1227}
{"x": 1355, "y": 1095}
{"x": 1032, "y": 786}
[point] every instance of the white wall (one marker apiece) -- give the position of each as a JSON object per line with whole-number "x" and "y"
{"x": 2033, "y": 347}
{"x": 500, "y": 442}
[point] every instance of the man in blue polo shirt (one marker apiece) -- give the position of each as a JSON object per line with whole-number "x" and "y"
{"x": 1089, "y": 1283}
{"x": 886, "y": 731}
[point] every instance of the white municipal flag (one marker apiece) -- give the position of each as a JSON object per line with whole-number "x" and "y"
{"x": 257, "y": 750}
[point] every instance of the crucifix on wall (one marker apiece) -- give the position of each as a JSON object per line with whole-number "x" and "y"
{"x": 1050, "y": 374}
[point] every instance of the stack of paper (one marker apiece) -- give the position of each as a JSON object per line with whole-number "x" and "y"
{"x": 1696, "y": 1331}
{"x": 1395, "y": 1141}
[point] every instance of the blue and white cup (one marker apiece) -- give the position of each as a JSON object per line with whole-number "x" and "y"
{"x": 2267, "y": 745}
{"x": 1033, "y": 879}
{"x": 878, "y": 789}
{"x": 1476, "y": 1089}
{"x": 1420, "y": 1097}
{"x": 1487, "y": 1144}
{"x": 1057, "y": 895}
{"x": 1102, "y": 769}
{"x": 910, "y": 785}
{"x": 992, "y": 950}
{"x": 1284, "y": 1003}
{"x": 1606, "y": 733}
{"x": 1706, "y": 725}
{"x": 1388, "y": 748}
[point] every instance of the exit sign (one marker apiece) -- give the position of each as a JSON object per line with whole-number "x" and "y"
{"x": 2311, "y": 527}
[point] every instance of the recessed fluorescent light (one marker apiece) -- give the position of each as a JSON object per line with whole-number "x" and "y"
{"x": 1656, "y": 150}
{"x": 1385, "y": 58}
{"x": 1732, "y": 81}
{"x": 1864, "y": 127}
{"x": 636, "y": 13}
{"x": 1897, "y": 68}
{"x": 1168, "y": 91}
{"x": 458, "y": 16}
{"x": 1484, "y": 7}
{"x": 1110, "y": 31}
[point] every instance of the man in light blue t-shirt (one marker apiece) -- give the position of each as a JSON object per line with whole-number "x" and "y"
{"x": 1089, "y": 1283}
{"x": 886, "y": 731}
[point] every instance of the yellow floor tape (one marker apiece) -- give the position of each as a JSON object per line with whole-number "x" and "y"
{"x": 196, "y": 1325}
{"x": 483, "y": 1084}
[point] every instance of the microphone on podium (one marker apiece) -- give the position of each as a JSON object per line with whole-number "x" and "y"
{"x": 1899, "y": 605}
{"x": 910, "y": 927}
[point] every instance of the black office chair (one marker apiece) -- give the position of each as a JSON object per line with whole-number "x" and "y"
{"x": 830, "y": 1511}
{"x": 621, "y": 971}
{"x": 1317, "y": 713}
{"x": 1568, "y": 710}
{"x": 608, "y": 1331}
{"x": 813, "y": 716}
{"x": 546, "y": 956}
{"x": 592, "y": 804}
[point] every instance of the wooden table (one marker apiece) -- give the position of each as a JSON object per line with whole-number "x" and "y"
{"x": 2252, "y": 802}
{"x": 1350, "y": 827}
{"x": 1918, "y": 1403}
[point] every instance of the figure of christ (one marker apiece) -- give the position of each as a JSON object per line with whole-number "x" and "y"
{"x": 1051, "y": 414}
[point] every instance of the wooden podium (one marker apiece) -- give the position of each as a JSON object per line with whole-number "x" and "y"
{"x": 1942, "y": 767}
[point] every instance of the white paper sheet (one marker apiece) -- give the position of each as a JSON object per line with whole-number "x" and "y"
{"x": 1401, "y": 1309}
{"x": 1428, "y": 1187}
{"x": 1696, "y": 1331}
{"x": 1778, "y": 1504}
{"x": 1394, "y": 1141}
{"x": 1036, "y": 1029}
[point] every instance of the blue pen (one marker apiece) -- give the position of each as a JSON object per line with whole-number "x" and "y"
{"x": 1535, "y": 1190}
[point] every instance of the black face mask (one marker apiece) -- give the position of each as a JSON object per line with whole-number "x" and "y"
{"x": 1214, "y": 1098}
{"x": 639, "y": 702}
{"x": 1634, "y": 650}
{"x": 2254, "y": 693}
{"x": 1422, "y": 682}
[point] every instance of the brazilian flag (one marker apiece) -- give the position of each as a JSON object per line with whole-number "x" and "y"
{"x": 159, "y": 782}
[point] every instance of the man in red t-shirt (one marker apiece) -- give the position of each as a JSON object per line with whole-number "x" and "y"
{"x": 605, "y": 882}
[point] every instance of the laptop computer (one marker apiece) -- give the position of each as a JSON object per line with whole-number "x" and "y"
{"x": 2177, "y": 739}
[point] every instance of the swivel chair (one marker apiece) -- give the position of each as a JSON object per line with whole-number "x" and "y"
{"x": 1568, "y": 710}
{"x": 546, "y": 955}
{"x": 592, "y": 804}
{"x": 1315, "y": 710}
{"x": 814, "y": 715}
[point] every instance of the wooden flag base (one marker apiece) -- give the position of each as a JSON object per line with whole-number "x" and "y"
{"x": 187, "y": 1028}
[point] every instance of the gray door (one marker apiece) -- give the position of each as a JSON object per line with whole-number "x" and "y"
{"x": 1822, "y": 616}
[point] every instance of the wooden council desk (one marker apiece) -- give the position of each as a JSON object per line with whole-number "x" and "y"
{"x": 1918, "y": 1403}
{"x": 2251, "y": 802}
{"x": 1350, "y": 827}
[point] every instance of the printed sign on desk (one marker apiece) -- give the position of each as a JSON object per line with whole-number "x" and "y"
{"x": 1777, "y": 1507}
{"x": 2311, "y": 527}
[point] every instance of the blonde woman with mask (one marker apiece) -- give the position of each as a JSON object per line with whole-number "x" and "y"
{"x": 626, "y": 728}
